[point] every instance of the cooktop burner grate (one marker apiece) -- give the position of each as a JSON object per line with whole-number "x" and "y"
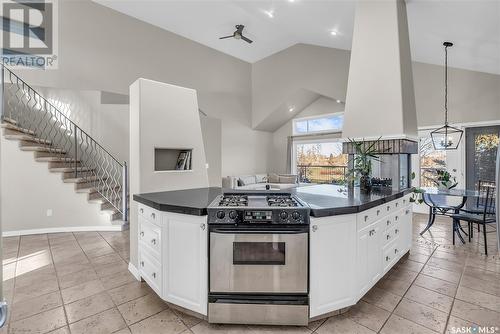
{"x": 281, "y": 201}
{"x": 234, "y": 200}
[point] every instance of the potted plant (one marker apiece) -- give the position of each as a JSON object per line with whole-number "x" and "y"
{"x": 362, "y": 163}
{"x": 444, "y": 180}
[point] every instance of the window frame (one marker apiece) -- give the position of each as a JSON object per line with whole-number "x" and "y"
{"x": 308, "y": 118}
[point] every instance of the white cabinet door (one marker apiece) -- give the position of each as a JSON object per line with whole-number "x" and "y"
{"x": 369, "y": 266}
{"x": 332, "y": 263}
{"x": 185, "y": 269}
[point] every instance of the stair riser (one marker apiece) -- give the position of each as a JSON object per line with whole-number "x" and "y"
{"x": 62, "y": 164}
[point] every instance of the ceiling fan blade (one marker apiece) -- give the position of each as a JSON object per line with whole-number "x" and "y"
{"x": 226, "y": 37}
{"x": 246, "y": 39}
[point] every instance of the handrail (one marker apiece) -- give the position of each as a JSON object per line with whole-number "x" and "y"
{"x": 61, "y": 113}
{"x": 60, "y": 135}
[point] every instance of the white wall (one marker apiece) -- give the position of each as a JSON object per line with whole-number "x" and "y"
{"x": 170, "y": 122}
{"x": 278, "y": 151}
{"x": 103, "y": 50}
{"x": 29, "y": 190}
{"x": 108, "y": 124}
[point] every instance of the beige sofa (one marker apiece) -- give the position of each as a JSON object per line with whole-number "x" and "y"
{"x": 260, "y": 181}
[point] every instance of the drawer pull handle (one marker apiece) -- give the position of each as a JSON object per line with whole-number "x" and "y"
{"x": 388, "y": 222}
{"x": 372, "y": 232}
{"x": 396, "y": 251}
{"x": 154, "y": 275}
{"x": 388, "y": 208}
{"x": 314, "y": 228}
{"x": 142, "y": 263}
{"x": 153, "y": 241}
{"x": 397, "y": 205}
{"x": 396, "y": 231}
{"x": 396, "y": 217}
{"x": 366, "y": 218}
{"x": 141, "y": 210}
{"x": 387, "y": 258}
{"x": 202, "y": 226}
{"x": 378, "y": 212}
{"x": 142, "y": 233}
{"x": 388, "y": 236}
{"x": 153, "y": 215}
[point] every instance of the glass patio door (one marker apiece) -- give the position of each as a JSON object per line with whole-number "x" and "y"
{"x": 480, "y": 154}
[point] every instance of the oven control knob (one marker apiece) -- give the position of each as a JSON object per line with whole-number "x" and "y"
{"x": 232, "y": 214}
{"x": 221, "y": 214}
{"x": 283, "y": 215}
{"x": 295, "y": 215}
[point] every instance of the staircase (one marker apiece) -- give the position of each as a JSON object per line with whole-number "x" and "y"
{"x": 55, "y": 140}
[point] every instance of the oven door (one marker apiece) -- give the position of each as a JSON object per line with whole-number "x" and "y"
{"x": 263, "y": 260}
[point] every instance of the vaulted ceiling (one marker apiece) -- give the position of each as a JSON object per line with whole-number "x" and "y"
{"x": 274, "y": 25}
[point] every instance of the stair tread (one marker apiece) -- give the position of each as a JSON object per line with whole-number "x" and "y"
{"x": 17, "y": 128}
{"x": 40, "y": 148}
{"x": 81, "y": 179}
{"x": 55, "y": 159}
{"x": 27, "y": 137}
{"x": 9, "y": 120}
{"x": 69, "y": 169}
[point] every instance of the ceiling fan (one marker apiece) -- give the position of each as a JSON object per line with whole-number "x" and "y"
{"x": 238, "y": 34}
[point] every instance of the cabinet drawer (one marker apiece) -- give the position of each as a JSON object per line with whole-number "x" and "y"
{"x": 368, "y": 217}
{"x": 390, "y": 255}
{"x": 149, "y": 214}
{"x": 150, "y": 237}
{"x": 150, "y": 270}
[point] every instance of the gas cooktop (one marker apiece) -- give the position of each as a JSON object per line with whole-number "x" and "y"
{"x": 250, "y": 208}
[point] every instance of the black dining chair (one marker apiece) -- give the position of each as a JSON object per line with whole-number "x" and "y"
{"x": 482, "y": 215}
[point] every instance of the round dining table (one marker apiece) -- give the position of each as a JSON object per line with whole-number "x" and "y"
{"x": 438, "y": 201}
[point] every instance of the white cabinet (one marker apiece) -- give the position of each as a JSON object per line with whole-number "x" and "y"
{"x": 369, "y": 266}
{"x": 173, "y": 257}
{"x": 332, "y": 263}
{"x": 185, "y": 275}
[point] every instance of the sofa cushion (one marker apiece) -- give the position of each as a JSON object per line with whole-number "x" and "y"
{"x": 287, "y": 179}
{"x": 261, "y": 178}
{"x": 246, "y": 180}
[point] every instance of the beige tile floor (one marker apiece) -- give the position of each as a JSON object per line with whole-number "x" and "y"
{"x": 79, "y": 283}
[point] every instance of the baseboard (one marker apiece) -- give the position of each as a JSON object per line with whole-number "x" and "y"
{"x": 133, "y": 270}
{"x": 110, "y": 228}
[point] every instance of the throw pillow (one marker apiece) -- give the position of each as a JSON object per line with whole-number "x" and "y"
{"x": 273, "y": 178}
{"x": 246, "y": 180}
{"x": 261, "y": 178}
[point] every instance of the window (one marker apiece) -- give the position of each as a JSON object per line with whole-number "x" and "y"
{"x": 318, "y": 124}
{"x": 431, "y": 161}
{"x": 320, "y": 162}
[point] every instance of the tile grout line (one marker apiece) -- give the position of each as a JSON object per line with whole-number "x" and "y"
{"x": 106, "y": 291}
{"x": 406, "y": 291}
{"x": 58, "y": 285}
{"x": 455, "y": 296}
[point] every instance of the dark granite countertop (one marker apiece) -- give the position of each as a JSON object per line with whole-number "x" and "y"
{"x": 189, "y": 201}
{"x": 323, "y": 199}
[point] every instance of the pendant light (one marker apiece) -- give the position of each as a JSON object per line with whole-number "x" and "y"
{"x": 446, "y": 137}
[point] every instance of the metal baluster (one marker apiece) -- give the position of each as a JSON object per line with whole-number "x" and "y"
{"x": 76, "y": 151}
{"x": 2, "y": 84}
{"x": 124, "y": 192}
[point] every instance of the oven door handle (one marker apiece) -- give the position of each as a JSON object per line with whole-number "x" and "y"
{"x": 260, "y": 231}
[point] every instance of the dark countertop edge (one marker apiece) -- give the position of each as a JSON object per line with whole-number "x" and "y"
{"x": 318, "y": 213}
{"x": 171, "y": 208}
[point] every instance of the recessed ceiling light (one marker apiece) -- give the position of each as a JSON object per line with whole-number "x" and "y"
{"x": 338, "y": 101}
{"x": 291, "y": 109}
{"x": 291, "y": 0}
{"x": 333, "y": 33}
{"x": 269, "y": 13}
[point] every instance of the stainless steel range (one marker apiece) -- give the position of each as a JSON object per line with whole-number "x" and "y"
{"x": 258, "y": 259}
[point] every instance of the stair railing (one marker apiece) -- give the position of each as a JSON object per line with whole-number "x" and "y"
{"x": 24, "y": 107}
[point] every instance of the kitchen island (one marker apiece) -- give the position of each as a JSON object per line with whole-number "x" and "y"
{"x": 354, "y": 239}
